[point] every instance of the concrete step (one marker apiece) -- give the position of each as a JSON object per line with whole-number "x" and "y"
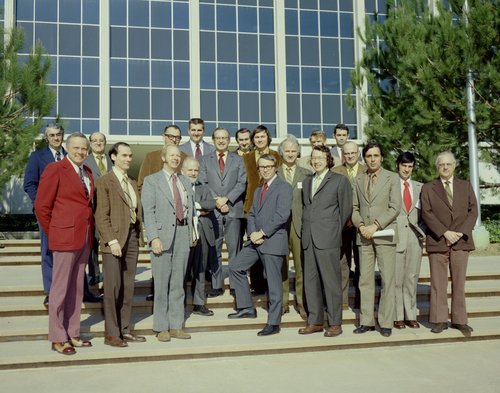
{"x": 212, "y": 344}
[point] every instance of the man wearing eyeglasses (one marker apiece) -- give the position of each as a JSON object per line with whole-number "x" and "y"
{"x": 268, "y": 241}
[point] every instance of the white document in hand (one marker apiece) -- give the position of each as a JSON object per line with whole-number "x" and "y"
{"x": 384, "y": 233}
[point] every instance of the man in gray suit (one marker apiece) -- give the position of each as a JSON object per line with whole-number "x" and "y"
{"x": 204, "y": 248}
{"x": 225, "y": 175}
{"x": 267, "y": 224}
{"x": 327, "y": 205}
{"x": 167, "y": 200}
{"x": 294, "y": 175}
{"x": 409, "y": 247}
{"x": 196, "y": 147}
{"x": 376, "y": 204}
{"x": 100, "y": 164}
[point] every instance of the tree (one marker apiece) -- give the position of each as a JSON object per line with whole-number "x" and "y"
{"x": 415, "y": 63}
{"x": 25, "y": 99}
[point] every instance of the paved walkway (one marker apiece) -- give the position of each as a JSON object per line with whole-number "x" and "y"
{"x": 455, "y": 368}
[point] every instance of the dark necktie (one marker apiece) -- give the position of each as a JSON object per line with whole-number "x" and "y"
{"x": 221, "y": 163}
{"x": 263, "y": 193}
{"x": 179, "y": 211}
{"x": 197, "y": 153}
{"x": 449, "y": 194}
{"x": 83, "y": 182}
{"x": 58, "y": 155}
{"x": 407, "y": 196}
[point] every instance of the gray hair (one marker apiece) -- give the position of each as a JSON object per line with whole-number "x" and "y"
{"x": 288, "y": 139}
{"x": 77, "y": 135}
{"x": 446, "y": 153}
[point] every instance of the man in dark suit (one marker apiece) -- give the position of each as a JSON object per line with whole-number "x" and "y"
{"x": 409, "y": 247}
{"x": 449, "y": 210}
{"x": 261, "y": 139}
{"x": 294, "y": 175}
{"x": 63, "y": 206}
{"x": 196, "y": 147}
{"x": 167, "y": 200}
{"x": 376, "y": 205}
{"x": 225, "y": 175}
{"x": 118, "y": 219}
{"x": 38, "y": 161}
{"x": 100, "y": 164}
{"x": 327, "y": 205}
{"x": 244, "y": 142}
{"x": 351, "y": 168}
{"x": 268, "y": 241}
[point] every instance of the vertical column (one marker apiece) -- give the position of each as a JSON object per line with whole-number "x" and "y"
{"x": 359, "y": 31}
{"x": 194, "y": 58}
{"x": 280, "y": 69}
{"x": 104, "y": 58}
{"x": 8, "y": 14}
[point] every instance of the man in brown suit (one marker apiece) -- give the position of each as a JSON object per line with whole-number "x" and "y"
{"x": 261, "y": 139}
{"x": 351, "y": 168}
{"x": 118, "y": 219}
{"x": 449, "y": 209}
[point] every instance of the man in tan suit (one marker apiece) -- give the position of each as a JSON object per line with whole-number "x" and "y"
{"x": 118, "y": 219}
{"x": 351, "y": 168}
{"x": 294, "y": 175}
{"x": 376, "y": 204}
{"x": 449, "y": 209}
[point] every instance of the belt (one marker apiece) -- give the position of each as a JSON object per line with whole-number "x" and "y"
{"x": 181, "y": 223}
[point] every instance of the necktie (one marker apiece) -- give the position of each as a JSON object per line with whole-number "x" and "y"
{"x": 263, "y": 193}
{"x": 100, "y": 164}
{"x": 288, "y": 175}
{"x": 197, "y": 153}
{"x": 407, "y": 196}
{"x": 342, "y": 160}
{"x": 371, "y": 184}
{"x": 350, "y": 175}
{"x": 58, "y": 155}
{"x": 315, "y": 185}
{"x": 221, "y": 163}
{"x": 179, "y": 211}
{"x": 449, "y": 194}
{"x": 126, "y": 189}
{"x": 83, "y": 182}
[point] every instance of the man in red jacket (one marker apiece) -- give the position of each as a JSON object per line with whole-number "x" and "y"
{"x": 63, "y": 207}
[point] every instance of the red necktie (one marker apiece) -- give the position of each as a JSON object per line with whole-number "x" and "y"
{"x": 407, "y": 197}
{"x": 197, "y": 153}
{"x": 221, "y": 163}
{"x": 179, "y": 211}
{"x": 264, "y": 190}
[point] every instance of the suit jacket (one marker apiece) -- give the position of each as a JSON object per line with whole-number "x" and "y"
{"x": 153, "y": 163}
{"x": 253, "y": 177}
{"x": 439, "y": 216}
{"x": 112, "y": 213}
{"x": 61, "y": 207}
{"x": 409, "y": 224}
{"x": 231, "y": 184}
{"x": 159, "y": 208}
{"x": 272, "y": 216}
{"x": 325, "y": 214}
{"x": 37, "y": 163}
{"x": 342, "y": 170}
{"x": 384, "y": 206}
{"x": 295, "y": 221}
{"x": 207, "y": 222}
{"x": 91, "y": 162}
{"x": 207, "y": 148}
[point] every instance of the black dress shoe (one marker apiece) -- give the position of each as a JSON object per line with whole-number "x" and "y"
{"x": 463, "y": 328}
{"x": 150, "y": 297}
{"x": 244, "y": 313}
{"x": 215, "y": 292}
{"x": 269, "y": 329}
{"x": 386, "y": 332}
{"x": 439, "y": 327}
{"x": 89, "y": 298}
{"x": 46, "y": 302}
{"x": 202, "y": 310}
{"x": 363, "y": 329}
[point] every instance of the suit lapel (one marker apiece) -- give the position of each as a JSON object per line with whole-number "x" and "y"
{"x": 323, "y": 182}
{"x": 116, "y": 183}
{"x": 361, "y": 180}
{"x": 440, "y": 191}
{"x": 165, "y": 187}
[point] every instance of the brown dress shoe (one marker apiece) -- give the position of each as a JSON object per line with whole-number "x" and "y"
{"x": 129, "y": 337}
{"x": 309, "y": 329}
{"x": 179, "y": 333}
{"x": 333, "y": 331}
{"x": 115, "y": 341}
{"x": 412, "y": 324}
{"x": 399, "y": 324}
{"x": 77, "y": 342}
{"x": 63, "y": 348}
